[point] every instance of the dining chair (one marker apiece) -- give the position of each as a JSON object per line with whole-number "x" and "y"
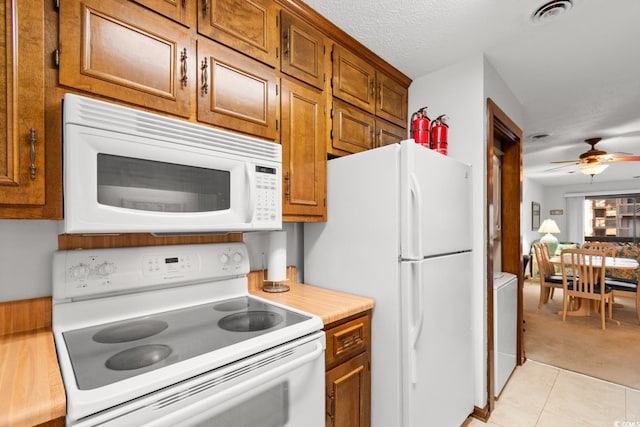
{"x": 587, "y": 280}
{"x": 620, "y": 285}
{"x": 549, "y": 280}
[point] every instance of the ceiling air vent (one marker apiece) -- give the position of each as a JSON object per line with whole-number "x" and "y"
{"x": 551, "y": 10}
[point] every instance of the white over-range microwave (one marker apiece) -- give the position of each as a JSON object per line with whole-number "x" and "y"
{"x": 127, "y": 170}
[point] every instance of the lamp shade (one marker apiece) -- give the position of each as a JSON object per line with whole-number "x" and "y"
{"x": 593, "y": 168}
{"x": 549, "y": 226}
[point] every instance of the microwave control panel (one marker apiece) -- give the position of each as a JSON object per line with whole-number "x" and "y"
{"x": 267, "y": 195}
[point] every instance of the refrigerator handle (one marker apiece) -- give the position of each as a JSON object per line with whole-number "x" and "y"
{"x": 415, "y": 212}
{"x": 417, "y": 317}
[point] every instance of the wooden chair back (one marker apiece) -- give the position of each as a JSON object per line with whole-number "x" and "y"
{"x": 609, "y": 248}
{"x": 548, "y": 278}
{"x": 583, "y": 276}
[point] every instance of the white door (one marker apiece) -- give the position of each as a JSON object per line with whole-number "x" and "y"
{"x": 437, "y": 375}
{"x": 435, "y": 202}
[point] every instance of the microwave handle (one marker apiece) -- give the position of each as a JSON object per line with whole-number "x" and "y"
{"x": 251, "y": 191}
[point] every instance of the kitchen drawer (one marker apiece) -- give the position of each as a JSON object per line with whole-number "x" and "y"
{"x": 348, "y": 340}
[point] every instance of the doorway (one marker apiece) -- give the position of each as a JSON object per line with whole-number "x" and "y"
{"x": 504, "y": 200}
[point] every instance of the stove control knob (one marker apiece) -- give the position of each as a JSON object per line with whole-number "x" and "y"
{"x": 80, "y": 271}
{"x": 105, "y": 269}
{"x": 237, "y": 257}
{"x": 224, "y": 258}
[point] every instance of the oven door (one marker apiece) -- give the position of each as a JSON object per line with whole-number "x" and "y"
{"x": 280, "y": 387}
{"x": 117, "y": 182}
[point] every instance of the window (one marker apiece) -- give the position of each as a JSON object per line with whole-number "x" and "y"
{"x": 612, "y": 218}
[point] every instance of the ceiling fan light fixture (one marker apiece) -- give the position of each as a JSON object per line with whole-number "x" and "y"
{"x": 593, "y": 168}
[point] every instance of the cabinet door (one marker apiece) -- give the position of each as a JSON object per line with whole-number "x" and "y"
{"x": 353, "y": 79}
{"x": 248, "y": 26}
{"x": 236, "y": 92}
{"x": 182, "y": 11}
{"x": 303, "y": 49}
{"x": 348, "y": 394}
{"x": 353, "y": 129}
{"x": 391, "y": 100}
{"x": 387, "y": 133}
{"x": 120, "y": 50}
{"x": 304, "y": 153}
{"x": 22, "y": 175}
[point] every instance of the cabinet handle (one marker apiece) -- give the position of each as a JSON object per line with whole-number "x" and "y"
{"x": 373, "y": 89}
{"x": 331, "y": 406}
{"x": 183, "y": 59}
{"x": 287, "y": 180}
{"x": 205, "y": 76}
{"x": 32, "y": 153}
{"x": 205, "y": 7}
{"x": 287, "y": 45}
{"x": 184, "y": 4}
{"x": 350, "y": 341}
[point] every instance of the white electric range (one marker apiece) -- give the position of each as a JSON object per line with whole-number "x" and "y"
{"x": 168, "y": 335}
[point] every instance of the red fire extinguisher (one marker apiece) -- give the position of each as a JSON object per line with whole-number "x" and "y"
{"x": 420, "y": 127}
{"x": 439, "y": 130}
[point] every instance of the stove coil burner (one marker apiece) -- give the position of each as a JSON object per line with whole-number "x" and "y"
{"x": 249, "y": 321}
{"x": 138, "y": 357}
{"x": 130, "y": 331}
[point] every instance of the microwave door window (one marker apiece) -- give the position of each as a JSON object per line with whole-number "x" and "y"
{"x": 148, "y": 185}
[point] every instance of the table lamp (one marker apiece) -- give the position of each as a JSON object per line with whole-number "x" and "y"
{"x": 550, "y": 227}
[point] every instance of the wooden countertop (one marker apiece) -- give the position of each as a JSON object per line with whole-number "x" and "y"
{"x": 30, "y": 382}
{"x": 331, "y": 306}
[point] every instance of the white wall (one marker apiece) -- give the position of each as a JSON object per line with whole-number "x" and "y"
{"x": 26, "y": 248}
{"x": 532, "y": 191}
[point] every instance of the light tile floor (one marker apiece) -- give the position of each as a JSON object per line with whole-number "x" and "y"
{"x": 544, "y": 396}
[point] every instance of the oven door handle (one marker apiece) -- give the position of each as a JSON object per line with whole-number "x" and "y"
{"x": 251, "y": 191}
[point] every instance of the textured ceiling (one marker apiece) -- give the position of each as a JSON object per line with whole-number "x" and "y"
{"x": 577, "y": 76}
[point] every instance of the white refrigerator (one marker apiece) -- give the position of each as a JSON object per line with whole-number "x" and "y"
{"x": 399, "y": 231}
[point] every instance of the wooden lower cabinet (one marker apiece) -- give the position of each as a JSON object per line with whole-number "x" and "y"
{"x": 348, "y": 377}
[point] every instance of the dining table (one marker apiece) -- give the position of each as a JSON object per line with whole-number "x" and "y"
{"x": 609, "y": 262}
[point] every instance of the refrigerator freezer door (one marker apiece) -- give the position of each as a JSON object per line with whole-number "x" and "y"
{"x": 435, "y": 203}
{"x": 436, "y": 336}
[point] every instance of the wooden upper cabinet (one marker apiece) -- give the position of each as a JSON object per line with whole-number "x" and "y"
{"x": 248, "y": 26}
{"x": 304, "y": 153}
{"x": 121, "y": 50}
{"x": 303, "y": 51}
{"x": 387, "y": 133}
{"x": 392, "y": 100}
{"x": 182, "y": 11}
{"x": 353, "y": 129}
{"x": 22, "y": 152}
{"x": 353, "y": 79}
{"x": 236, "y": 92}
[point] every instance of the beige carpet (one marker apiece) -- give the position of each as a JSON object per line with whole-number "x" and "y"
{"x": 579, "y": 344}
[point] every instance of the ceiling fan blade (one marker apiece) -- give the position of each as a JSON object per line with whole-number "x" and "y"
{"x": 567, "y": 161}
{"x": 624, "y": 159}
{"x": 560, "y": 167}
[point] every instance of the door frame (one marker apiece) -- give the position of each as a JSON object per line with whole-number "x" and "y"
{"x": 501, "y": 127}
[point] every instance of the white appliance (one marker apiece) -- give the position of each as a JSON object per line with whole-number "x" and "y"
{"x": 505, "y": 313}
{"x": 169, "y": 336}
{"x": 399, "y": 231}
{"x": 127, "y": 170}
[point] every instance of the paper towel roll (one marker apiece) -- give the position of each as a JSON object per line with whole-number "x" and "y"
{"x": 277, "y": 258}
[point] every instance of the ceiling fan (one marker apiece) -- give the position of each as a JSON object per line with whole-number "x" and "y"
{"x": 594, "y": 161}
